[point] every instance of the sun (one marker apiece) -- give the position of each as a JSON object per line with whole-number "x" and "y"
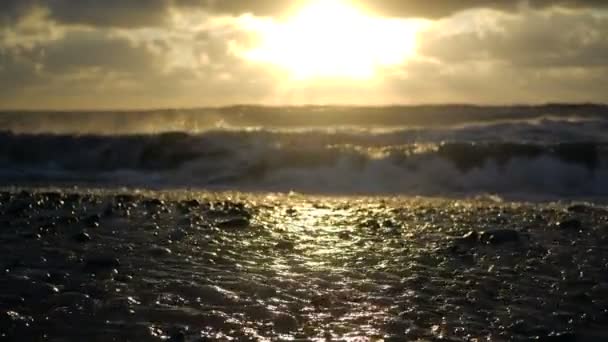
{"x": 333, "y": 39}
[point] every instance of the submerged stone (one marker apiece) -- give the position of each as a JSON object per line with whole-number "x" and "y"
{"x": 285, "y": 323}
{"x": 102, "y": 262}
{"x": 82, "y": 237}
{"x": 499, "y": 236}
{"x": 570, "y": 224}
{"x": 238, "y": 222}
{"x": 160, "y": 251}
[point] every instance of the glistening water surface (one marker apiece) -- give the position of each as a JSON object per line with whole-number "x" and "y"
{"x": 193, "y": 266}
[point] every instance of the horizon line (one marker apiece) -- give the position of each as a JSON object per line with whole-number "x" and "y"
{"x": 296, "y": 106}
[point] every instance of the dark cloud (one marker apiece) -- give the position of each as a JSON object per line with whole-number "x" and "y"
{"x": 101, "y": 13}
{"x": 16, "y": 72}
{"x": 139, "y": 13}
{"x": 12, "y": 10}
{"x": 487, "y": 57}
{"x": 123, "y": 13}
{"x": 79, "y": 50}
{"x": 99, "y": 68}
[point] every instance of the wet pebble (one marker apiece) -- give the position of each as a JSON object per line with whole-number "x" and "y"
{"x": 285, "y": 323}
{"x": 10, "y": 319}
{"x": 570, "y": 224}
{"x": 82, "y": 237}
{"x": 159, "y": 251}
{"x": 91, "y": 221}
{"x": 285, "y": 244}
{"x": 499, "y": 236}
{"x": 177, "y": 234}
{"x": 101, "y": 262}
{"x": 557, "y": 337}
{"x": 238, "y": 222}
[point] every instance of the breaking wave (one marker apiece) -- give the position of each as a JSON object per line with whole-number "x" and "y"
{"x": 543, "y": 158}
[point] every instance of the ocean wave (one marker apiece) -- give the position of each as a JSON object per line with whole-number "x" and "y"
{"x": 295, "y": 118}
{"x": 314, "y": 161}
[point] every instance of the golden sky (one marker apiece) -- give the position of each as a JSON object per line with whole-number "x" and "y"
{"x": 68, "y": 54}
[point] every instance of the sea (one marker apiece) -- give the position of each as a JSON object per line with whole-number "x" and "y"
{"x": 308, "y": 223}
{"x": 526, "y": 152}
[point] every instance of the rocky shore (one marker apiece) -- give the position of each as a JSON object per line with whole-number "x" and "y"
{"x": 185, "y": 266}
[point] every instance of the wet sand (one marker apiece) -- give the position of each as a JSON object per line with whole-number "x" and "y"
{"x": 186, "y": 266}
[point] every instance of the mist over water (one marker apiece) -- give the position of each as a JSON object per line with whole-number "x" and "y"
{"x": 524, "y": 151}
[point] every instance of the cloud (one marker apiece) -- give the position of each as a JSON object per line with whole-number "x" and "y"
{"x": 82, "y": 49}
{"x": 392, "y": 8}
{"x": 536, "y": 56}
{"x": 482, "y": 56}
{"x": 149, "y": 13}
{"x": 98, "y": 13}
{"x": 122, "y": 13}
{"x": 527, "y": 40}
{"x": 438, "y": 9}
{"x": 89, "y": 68}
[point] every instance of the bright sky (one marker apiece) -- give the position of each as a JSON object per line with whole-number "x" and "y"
{"x": 188, "y": 53}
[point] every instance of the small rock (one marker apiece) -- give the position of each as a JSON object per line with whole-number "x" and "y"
{"x": 14, "y": 318}
{"x": 123, "y": 278}
{"x": 570, "y": 224}
{"x": 82, "y": 237}
{"x": 191, "y": 203}
{"x": 578, "y": 208}
{"x": 154, "y": 202}
{"x": 238, "y": 222}
{"x": 178, "y": 333}
{"x": 92, "y": 220}
{"x": 177, "y": 235}
{"x": 285, "y": 244}
{"x": 464, "y": 243}
{"x": 344, "y": 235}
{"x": 102, "y": 262}
{"x": 323, "y": 300}
{"x": 499, "y": 236}
{"x": 160, "y": 251}
{"x": 285, "y": 323}
{"x": 558, "y": 337}
{"x": 469, "y": 237}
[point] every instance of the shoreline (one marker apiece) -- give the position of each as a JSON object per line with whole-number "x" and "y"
{"x": 182, "y": 266}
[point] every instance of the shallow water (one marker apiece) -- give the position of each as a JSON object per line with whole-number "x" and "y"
{"x": 188, "y": 266}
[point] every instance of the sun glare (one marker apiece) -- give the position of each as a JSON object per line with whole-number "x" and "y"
{"x": 332, "y": 39}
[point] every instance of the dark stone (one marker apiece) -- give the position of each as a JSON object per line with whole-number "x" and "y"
{"x": 154, "y": 202}
{"x": 371, "y": 223}
{"x": 123, "y": 278}
{"x": 108, "y": 211}
{"x": 178, "y": 333}
{"x": 499, "y": 236}
{"x": 469, "y": 237}
{"x": 32, "y": 236}
{"x": 570, "y": 224}
{"x": 578, "y": 208}
{"x": 177, "y": 235}
{"x": 92, "y": 220}
{"x": 191, "y": 203}
{"x": 344, "y": 235}
{"x": 464, "y": 243}
{"x": 285, "y": 323}
{"x": 558, "y": 337}
{"x": 238, "y": 222}
{"x": 160, "y": 251}
{"x": 285, "y": 244}
{"x": 101, "y": 262}
{"x": 82, "y": 237}
{"x": 12, "y": 320}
